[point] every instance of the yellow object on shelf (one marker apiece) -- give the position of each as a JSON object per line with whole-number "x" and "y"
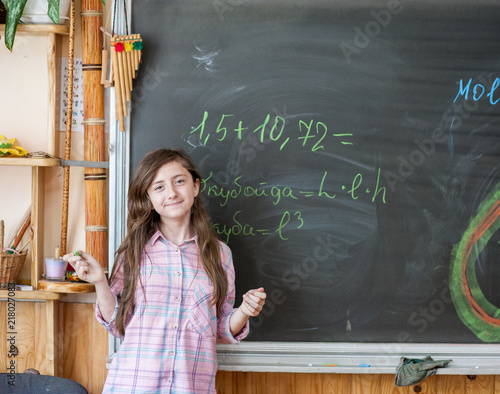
{"x": 7, "y": 148}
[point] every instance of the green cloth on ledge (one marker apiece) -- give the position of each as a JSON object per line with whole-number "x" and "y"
{"x": 411, "y": 371}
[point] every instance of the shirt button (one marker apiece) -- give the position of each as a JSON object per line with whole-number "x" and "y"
{"x": 171, "y": 352}
{"x": 177, "y": 299}
{"x": 174, "y": 327}
{"x": 169, "y": 381}
{"x": 179, "y": 273}
{"x": 176, "y": 249}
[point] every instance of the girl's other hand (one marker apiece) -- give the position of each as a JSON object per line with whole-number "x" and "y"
{"x": 253, "y": 301}
{"x": 86, "y": 267}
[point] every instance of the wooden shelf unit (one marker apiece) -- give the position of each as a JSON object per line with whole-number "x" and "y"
{"x": 29, "y": 162}
{"x": 38, "y": 165}
{"x": 37, "y": 194}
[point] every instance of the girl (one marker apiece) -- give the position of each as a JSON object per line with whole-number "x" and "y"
{"x": 171, "y": 291}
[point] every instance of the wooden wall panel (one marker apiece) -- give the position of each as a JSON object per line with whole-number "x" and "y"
{"x": 387, "y": 386}
{"x": 337, "y": 383}
{"x": 429, "y": 385}
{"x": 451, "y": 384}
{"x": 305, "y": 380}
{"x": 365, "y": 384}
{"x": 268, "y": 383}
{"x": 480, "y": 385}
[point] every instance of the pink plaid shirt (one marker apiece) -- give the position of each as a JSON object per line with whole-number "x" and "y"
{"x": 169, "y": 343}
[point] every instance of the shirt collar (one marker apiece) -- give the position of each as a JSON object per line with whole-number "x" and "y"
{"x": 158, "y": 236}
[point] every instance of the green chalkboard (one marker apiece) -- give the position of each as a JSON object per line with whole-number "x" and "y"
{"x": 350, "y": 153}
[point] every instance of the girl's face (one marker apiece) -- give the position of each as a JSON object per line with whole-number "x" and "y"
{"x": 172, "y": 192}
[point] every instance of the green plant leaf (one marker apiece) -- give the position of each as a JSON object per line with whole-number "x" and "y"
{"x": 14, "y": 10}
{"x": 53, "y": 11}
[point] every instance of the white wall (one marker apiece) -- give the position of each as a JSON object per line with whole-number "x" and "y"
{"x": 23, "y": 115}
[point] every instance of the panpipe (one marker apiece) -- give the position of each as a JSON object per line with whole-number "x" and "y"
{"x": 126, "y": 53}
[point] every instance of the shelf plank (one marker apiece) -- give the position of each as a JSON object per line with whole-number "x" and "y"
{"x": 39, "y": 29}
{"x": 65, "y": 286}
{"x": 32, "y": 295}
{"x": 30, "y": 162}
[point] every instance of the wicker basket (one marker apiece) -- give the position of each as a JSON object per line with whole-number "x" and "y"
{"x": 10, "y": 264}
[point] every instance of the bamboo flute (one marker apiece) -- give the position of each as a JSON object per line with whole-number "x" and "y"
{"x": 128, "y": 86}
{"x": 104, "y": 64}
{"x": 118, "y": 93}
{"x": 128, "y": 60}
{"x": 69, "y": 121}
{"x": 137, "y": 57}
{"x": 121, "y": 81}
{"x": 94, "y": 131}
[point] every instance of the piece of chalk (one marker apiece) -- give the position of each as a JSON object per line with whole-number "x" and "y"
{"x": 76, "y": 253}
{"x": 364, "y": 365}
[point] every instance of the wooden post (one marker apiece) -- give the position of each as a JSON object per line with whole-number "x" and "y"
{"x": 94, "y": 131}
{"x": 67, "y": 139}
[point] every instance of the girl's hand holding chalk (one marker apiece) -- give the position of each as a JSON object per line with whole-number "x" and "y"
{"x": 253, "y": 302}
{"x": 86, "y": 267}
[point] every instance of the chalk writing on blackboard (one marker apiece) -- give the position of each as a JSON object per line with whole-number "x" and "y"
{"x": 277, "y": 193}
{"x": 236, "y": 227}
{"x": 313, "y": 130}
{"x": 478, "y": 91}
{"x": 473, "y": 307}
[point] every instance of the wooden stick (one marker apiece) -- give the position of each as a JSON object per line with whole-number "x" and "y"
{"x": 19, "y": 227}
{"x": 25, "y": 244}
{"x": 69, "y": 120}
{"x": 21, "y": 232}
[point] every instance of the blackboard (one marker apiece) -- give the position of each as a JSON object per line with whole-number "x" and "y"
{"x": 350, "y": 151}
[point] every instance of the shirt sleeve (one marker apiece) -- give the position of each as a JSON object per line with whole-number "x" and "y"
{"x": 223, "y": 328}
{"x": 116, "y": 286}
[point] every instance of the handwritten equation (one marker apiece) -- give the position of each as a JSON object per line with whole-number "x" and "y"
{"x": 277, "y": 194}
{"x": 236, "y": 227}
{"x": 312, "y": 134}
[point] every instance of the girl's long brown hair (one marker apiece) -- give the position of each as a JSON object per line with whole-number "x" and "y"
{"x": 143, "y": 221}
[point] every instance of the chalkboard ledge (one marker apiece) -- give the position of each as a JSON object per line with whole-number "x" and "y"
{"x": 355, "y": 358}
